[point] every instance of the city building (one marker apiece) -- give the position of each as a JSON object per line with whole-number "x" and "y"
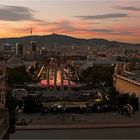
{"x": 7, "y": 50}
{"x": 33, "y": 47}
{"x": 14, "y": 61}
{"x": 19, "y": 49}
{"x": 2, "y": 84}
{"x": 4, "y": 115}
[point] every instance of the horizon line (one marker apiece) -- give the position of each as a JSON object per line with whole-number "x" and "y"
{"x": 68, "y": 36}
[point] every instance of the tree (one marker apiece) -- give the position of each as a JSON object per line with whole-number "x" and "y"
{"x": 98, "y": 74}
{"x": 11, "y": 104}
{"x": 17, "y": 75}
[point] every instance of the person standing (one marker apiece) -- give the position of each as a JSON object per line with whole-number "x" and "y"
{"x": 73, "y": 116}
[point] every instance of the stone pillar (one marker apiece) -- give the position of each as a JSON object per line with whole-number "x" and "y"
{"x": 55, "y": 79}
{"x": 48, "y": 78}
{"x": 62, "y": 78}
{"x": 69, "y": 78}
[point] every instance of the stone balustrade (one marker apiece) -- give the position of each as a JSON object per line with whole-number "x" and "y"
{"x": 129, "y": 80}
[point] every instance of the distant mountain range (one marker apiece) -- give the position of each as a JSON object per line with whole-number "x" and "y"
{"x": 63, "y": 40}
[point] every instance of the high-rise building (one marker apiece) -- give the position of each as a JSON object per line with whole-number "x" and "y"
{"x": 7, "y": 48}
{"x": 19, "y": 49}
{"x": 33, "y": 47}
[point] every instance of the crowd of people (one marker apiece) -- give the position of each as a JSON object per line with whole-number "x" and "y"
{"x": 79, "y": 102}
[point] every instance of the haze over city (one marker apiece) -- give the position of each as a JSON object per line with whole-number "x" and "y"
{"x": 114, "y": 20}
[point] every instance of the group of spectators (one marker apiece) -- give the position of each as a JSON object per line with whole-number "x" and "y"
{"x": 126, "y": 110}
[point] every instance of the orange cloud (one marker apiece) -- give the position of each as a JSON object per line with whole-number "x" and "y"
{"x": 74, "y": 28}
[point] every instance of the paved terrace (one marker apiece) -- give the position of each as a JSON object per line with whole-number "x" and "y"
{"x": 91, "y": 120}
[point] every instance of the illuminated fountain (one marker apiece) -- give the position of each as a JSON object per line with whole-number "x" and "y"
{"x": 54, "y": 76}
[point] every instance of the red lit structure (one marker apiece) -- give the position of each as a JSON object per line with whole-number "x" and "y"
{"x": 54, "y": 76}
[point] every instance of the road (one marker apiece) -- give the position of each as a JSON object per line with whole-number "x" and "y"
{"x": 113, "y": 133}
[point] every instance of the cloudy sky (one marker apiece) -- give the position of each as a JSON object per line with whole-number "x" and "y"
{"x": 110, "y": 19}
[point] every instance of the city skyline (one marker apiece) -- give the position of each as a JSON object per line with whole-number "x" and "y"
{"x": 113, "y": 20}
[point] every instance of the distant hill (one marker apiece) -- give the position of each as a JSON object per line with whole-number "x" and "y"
{"x": 63, "y": 40}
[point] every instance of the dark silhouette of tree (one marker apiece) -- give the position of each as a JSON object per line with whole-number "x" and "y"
{"x": 17, "y": 75}
{"x": 98, "y": 74}
{"x": 11, "y": 104}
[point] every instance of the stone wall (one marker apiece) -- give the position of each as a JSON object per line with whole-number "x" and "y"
{"x": 124, "y": 85}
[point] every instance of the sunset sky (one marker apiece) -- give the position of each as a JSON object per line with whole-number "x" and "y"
{"x": 110, "y": 19}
